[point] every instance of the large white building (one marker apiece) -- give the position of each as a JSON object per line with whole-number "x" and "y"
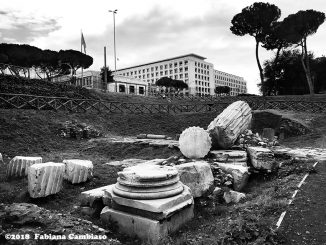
{"x": 92, "y": 80}
{"x": 192, "y": 69}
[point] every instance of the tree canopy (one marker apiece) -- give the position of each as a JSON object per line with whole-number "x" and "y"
{"x": 109, "y": 75}
{"x": 171, "y": 83}
{"x": 222, "y": 90}
{"x": 20, "y": 58}
{"x": 256, "y": 20}
{"x": 287, "y": 76}
{"x": 299, "y": 26}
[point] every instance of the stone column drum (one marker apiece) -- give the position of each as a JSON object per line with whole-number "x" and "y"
{"x": 195, "y": 142}
{"x": 45, "y": 179}
{"x": 227, "y": 126}
{"x": 18, "y": 166}
{"x": 78, "y": 171}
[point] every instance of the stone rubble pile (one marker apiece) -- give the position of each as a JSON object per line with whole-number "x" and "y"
{"x": 74, "y": 130}
{"x": 248, "y": 138}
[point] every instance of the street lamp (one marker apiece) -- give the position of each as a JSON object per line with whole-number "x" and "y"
{"x": 114, "y": 12}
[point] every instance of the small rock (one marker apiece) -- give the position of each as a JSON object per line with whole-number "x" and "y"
{"x": 233, "y": 196}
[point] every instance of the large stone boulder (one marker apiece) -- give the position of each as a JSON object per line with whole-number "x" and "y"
{"x": 197, "y": 176}
{"x": 262, "y": 158}
{"x": 18, "y": 166}
{"x": 227, "y": 126}
{"x": 239, "y": 173}
{"x": 45, "y": 179}
{"x": 194, "y": 142}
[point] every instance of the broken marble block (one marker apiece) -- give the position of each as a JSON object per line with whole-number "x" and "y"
{"x": 18, "y": 166}
{"x": 197, "y": 176}
{"x": 262, "y": 158}
{"x": 233, "y": 196}
{"x": 227, "y": 126}
{"x": 236, "y": 157}
{"x": 45, "y": 179}
{"x": 194, "y": 142}
{"x": 239, "y": 173}
{"x": 78, "y": 171}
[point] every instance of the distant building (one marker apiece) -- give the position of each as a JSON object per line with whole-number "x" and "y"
{"x": 192, "y": 69}
{"x": 88, "y": 79}
{"x": 237, "y": 84}
{"x": 92, "y": 80}
{"x": 128, "y": 85}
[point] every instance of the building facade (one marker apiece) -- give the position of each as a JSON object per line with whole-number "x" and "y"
{"x": 127, "y": 85}
{"x": 92, "y": 80}
{"x": 237, "y": 84}
{"x": 192, "y": 69}
{"x": 87, "y": 79}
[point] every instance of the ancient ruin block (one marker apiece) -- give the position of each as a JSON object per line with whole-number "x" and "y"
{"x": 227, "y": 126}
{"x": 78, "y": 171}
{"x": 262, "y": 158}
{"x": 45, "y": 179}
{"x": 237, "y": 157}
{"x": 239, "y": 173}
{"x": 194, "y": 142}
{"x": 197, "y": 176}
{"x": 18, "y": 166}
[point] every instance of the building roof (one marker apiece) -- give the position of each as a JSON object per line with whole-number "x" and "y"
{"x": 159, "y": 61}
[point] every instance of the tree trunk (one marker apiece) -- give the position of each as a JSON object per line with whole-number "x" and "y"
{"x": 259, "y": 65}
{"x": 306, "y": 66}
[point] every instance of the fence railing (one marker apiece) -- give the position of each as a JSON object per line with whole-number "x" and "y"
{"x": 24, "y": 101}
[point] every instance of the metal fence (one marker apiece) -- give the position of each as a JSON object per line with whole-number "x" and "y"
{"x": 23, "y": 101}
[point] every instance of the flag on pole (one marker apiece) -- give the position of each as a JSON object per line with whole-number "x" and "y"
{"x": 83, "y": 43}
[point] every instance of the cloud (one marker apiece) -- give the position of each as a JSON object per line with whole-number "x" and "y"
{"x": 24, "y": 29}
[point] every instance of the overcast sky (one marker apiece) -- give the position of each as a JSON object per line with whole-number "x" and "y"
{"x": 147, "y": 30}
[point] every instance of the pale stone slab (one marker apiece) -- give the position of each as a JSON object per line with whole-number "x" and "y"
{"x": 155, "y": 205}
{"x": 155, "y": 136}
{"x": 19, "y": 165}
{"x": 149, "y": 231}
{"x": 231, "y": 156}
{"x": 195, "y": 142}
{"x": 78, "y": 171}
{"x": 126, "y": 162}
{"x": 143, "y": 173}
{"x": 45, "y": 179}
{"x": 239, "y": 173}
{"x": 227, "y": 126}
{"x": 197, "y": 176}
{"x": 262, "y": 158}
{"x": 88, "y": 197}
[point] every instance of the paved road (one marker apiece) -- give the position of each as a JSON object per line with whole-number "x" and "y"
{"x": 305, "y": 221}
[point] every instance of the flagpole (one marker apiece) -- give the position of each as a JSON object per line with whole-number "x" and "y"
{"x": 81, "y": 50}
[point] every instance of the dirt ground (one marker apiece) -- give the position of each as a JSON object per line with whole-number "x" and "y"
{"x": 36, "y": 133}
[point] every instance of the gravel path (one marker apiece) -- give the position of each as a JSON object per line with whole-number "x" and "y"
{"x": 305, "y": 220}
